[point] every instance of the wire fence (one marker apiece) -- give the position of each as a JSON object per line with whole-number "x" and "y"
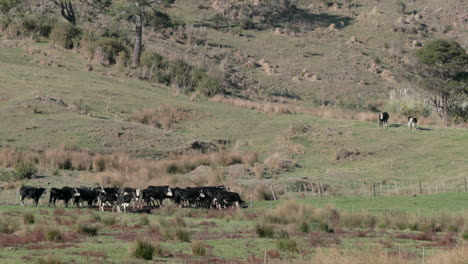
{"x": 323, "y": 189}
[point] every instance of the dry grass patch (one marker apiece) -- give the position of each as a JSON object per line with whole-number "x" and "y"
{"x": 164, "y": 116}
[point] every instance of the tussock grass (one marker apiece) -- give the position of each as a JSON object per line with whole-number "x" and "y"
{"x": 28, "y": 218}
{"x": 143, "y": 249}
{"x": 121, "y": 168}
{"x": 199, "y": 248}
{"x": 87, "y": 229}
{"x": 287, "y": 245}
{"x": 164, "y": 116}
{"x": 53, "y": 234}
{"x": 264, "y": 230}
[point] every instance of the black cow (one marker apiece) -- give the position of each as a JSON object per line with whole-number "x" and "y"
{"x": 191, "y": 196}
{"x": 383, "y": 119}
{"x": 89, "y": 195}
{"x": 154, "y": 194}
{"x": 412, "y": 122}
{"x": 227, "y": 199}
{"x": 65, "y": 194}
{"x": 31, "y": 193}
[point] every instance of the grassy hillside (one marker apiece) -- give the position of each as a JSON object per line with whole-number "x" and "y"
{"x": 315, "y": 145}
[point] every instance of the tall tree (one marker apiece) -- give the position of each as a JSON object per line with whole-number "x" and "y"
{"x": 66, "y": 10}
{"x": 440, "y": 70}
{"x": 136, "y": 10}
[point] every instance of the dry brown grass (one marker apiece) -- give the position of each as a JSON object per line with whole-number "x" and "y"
{"x": 121, "y": 168}
{"x": 164, "y": 116}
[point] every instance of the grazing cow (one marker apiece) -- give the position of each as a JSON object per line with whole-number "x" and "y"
{"x": 154, "y": 194}
{"x": 383, "y": 119}
{"x": 88, "y": 195}
{"x": 134, "y": 192}
{"x": 31, "y": 193}
{"x": 124, "y": 201}
{"x": 191, "y": 196}
{"x": 65, "y": 194}
{"x": 412, "y": 122}
{"x": 227, "y": 199}
{"x": 107, "y": 199}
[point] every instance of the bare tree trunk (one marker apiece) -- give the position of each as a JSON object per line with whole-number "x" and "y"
{"x": 138, "y": 40}
{"x": 66, "y": 10}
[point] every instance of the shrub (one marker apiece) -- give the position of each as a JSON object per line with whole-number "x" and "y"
{"x": 113, "y": 47}
{"x": 198, "y": 248}
{"x": 182, "y": 235}
{"x": 159, "y": 20}
{"x": 264, "y": 230}
{"x": 287, "y": 245}
{"x": 143, "y": 250}
{"x": 303, "y": 227}
{"x": 28, "y": 218}
{"x": 53, "y": 234}
{"x": 25, "y": 170}
{"x": 87, "y": 229}
{"x": 247, "y": 24}
{"x": 64, "y": 35}
{"x": 325, "y": 227}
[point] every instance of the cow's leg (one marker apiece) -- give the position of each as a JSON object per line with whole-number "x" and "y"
{"x": 22, "y": 200}
{"x": 36, "y": 201}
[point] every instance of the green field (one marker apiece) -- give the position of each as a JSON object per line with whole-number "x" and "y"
{"x": 228, "y": 235}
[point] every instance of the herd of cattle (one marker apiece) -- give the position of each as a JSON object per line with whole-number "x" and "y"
{"x": 383, "y": 120}
{"x": 120, "y": 198}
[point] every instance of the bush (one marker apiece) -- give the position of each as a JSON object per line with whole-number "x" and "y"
{"x": 25, "y": 170}
{"x": 28, "y": 218}
{"x": 287, "y": 245}
{"x": 65, "y": 35}
{"x": 182, "y": 235}
{"x": 53, "y": 235}
{"x": 264, "y": 230}
{"x": 144, "y": 220}
{"x": 6, "y": 5}
{"x": 87, "y": 229}
{"x": 143, "y": 250}
{"x": 112, "y": 48}
{"x": 198, "y": 248}
{"x": 465, "y": 235}
{"x": 159, "y": 20}
{"x": 247, "y": 24}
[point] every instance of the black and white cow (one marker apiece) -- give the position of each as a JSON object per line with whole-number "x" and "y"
{"x": 383, "y": 119}
{"x": 124, "y": 201}
{"x": 65, "y": 194}
{"x": 107, "y": 199}
{"x": 135, "y": 193}
{"x": 154, "y": 194}
{"x": 192, "y": 196}
{"x": 225, "y": 199}
{"x": 412, "y": 122}
{"x": 31, "y": 193}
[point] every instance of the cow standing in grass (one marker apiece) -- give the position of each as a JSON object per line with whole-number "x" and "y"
{"x": 31, "y": 193}
{"x": 412, "y": 122}
{"x": 383, "y": 119}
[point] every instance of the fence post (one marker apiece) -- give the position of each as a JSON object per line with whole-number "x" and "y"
{"x": 8, "y": 197}
{"x": 396, "y": 188}
{"x": 320, "y": 189}
{"x": 273, "y": 192}
{"x": 437, "y": 188}
{"x": 381, "y": 193}
{"x": 388, "y": 189}
{"x": 364, "y": 185}
{"x": 373, "y": 187}
{"x": 420, "y": 187}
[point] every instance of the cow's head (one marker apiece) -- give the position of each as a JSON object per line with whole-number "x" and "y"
{"x": 202, "y": 195}
{"x": 76, "y": 193}
{"x": 169, "y": 192}
{"x": 42, "y": 190}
